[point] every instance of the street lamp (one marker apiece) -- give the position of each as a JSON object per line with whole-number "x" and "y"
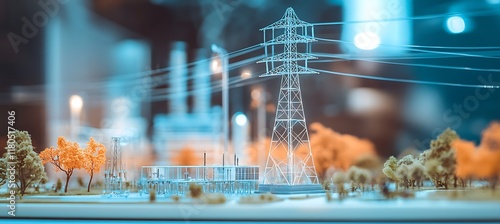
{"x": 75, "y": 104}
{"x": 258, "y": 94}
{"x": 223, "y": 64}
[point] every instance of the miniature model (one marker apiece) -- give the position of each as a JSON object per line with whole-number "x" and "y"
{"x": 115, "y": 173}
{"x": 94, "y": 156}
{"x": 66, "y": 157}
{"x": 296, "y": 172}
{"x": 177, "y": 180}
{"x": 482, "y": 162}
{"x": 69, "y": 156}
{"x": 28, "y": 168}
{"x": 436, "y": 163}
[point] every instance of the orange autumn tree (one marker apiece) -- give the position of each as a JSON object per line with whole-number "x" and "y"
{"x": 465, "y": 156}
{"x": 66, "y": 158}
{"x": 94, "y": 157}
{"x": 187, "y": 157}
{"x": 332, "y": 149}
{"x": 482, "y": 162}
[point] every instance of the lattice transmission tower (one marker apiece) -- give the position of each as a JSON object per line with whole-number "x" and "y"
{"x": 290, "y": 160}
{"x": 115, "y": 174}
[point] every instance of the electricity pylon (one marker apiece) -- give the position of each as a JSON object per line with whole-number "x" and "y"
{"x": 114, "y": 175}
{"x": 290, "y": 160}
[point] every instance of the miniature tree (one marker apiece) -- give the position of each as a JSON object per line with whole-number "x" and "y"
{"x": 465, "y": 158}
{"x": 440, "y": 159}
{"x": 339, "y": 180}
{"x": 390, "y": 167}
{"x": 406, "y": 160}
{"x": 195, "y": 190}
{"x": 80, "y": 182}
{"x": 368, "y": 161}
{"x": 94, "y": 157}
{"x": 58, "y": 185}
{"x": 490, "y": 141}
{"x": 402, "y": 173}
{"x": 358, "y": 176}
{"x": 66, "y": 158}
{"x": 3, "y": 171}
{"x": 410, "y": 171}
{"x": 332, "y": 149}
{"x": 186, "y": 157}
{"x": 491, "y": 137}
{"x": 417, "y": 173}
{"x": 28, "y": 166}
{"x": 483, "y": 162}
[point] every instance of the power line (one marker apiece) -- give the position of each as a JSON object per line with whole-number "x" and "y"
{"x": 402, "y": 64}
{"x": 418, "y": 50}
{"x": 424, "y": 17}
{"x": 409, "y": 80}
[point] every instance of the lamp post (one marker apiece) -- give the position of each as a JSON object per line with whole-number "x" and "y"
{"x": 258, "y": 94}
{"x": 225, "y": 98}
{"x": 75, "y": 103}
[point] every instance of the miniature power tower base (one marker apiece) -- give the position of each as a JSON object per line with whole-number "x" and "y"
{"x": 290, "y": 165}
{"x": 115, "y": 173}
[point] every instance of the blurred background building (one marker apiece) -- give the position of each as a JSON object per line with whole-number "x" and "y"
{"x": 111, "y": 55}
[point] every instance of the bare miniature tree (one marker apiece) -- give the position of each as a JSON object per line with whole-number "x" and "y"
{"x": 389, "y": 169}
{"x": 28, "y": 167}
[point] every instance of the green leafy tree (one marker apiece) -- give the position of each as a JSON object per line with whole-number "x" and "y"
{"x": 390, "y": 167}
{"x": 403, "y": 174}
{"x": 59, "y": 184}
{"x": 440, "y": 160}
{"x": 358, "y": 176}
{"x": 3, "y": 171}
{"x": 28, "y": 165}
{"x": 339, "y": 179}
{"x": 417, "y": 173}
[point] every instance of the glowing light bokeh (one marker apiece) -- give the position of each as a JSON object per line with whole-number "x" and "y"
{"x": 455, "y": 24}
{"x": 241, "y": 119}
{"x": 366, "y": 41}
{"x": 75, "y": 102}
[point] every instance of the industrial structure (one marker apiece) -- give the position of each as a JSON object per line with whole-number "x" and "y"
{"x": 290, "y": 166}
{"x": 175, "y": 180}
{"x": 115, "y": 173}
{"x": 200, "y": 129}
